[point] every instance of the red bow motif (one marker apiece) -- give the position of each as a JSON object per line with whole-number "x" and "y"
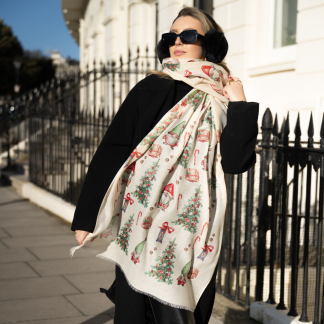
{"x": 208, "y": 247}
{"x": 167, "y": 228}
{"x": 136, "y": 153}
{"x": 129, "y": 199}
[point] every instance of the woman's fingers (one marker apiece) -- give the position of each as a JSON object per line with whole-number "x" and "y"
{"x": 233, "y": 91}
{"x": 81, "y": 235}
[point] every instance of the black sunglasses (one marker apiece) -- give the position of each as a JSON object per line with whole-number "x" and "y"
{"x": 187, "y": 36}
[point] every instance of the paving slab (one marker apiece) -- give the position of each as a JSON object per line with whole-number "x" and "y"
{"x": 35, "y": 287}
{"x": 228, "y": 312}
{"x": 29, "y": 221}
{"x": 3, "y": 246}
{"x": 32, "y": 309}
{"x": 3, "y": 233}
{"x": 58, "y": 252}
{"x": 91, "y": 282}
{"x": 21, "y": 231}
{"x": 92, "y": 303}
{"x": 15, "y": 255}
{"x": 16, "y": 270}
{"x": 62, "y": 267}
{"x": 46, "y": 240}
{"x": 96, "y": 319}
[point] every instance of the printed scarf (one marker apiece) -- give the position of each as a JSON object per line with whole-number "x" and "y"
{"x": 161, "y": 220}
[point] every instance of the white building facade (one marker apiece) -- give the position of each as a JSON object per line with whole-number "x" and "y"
{"x": 276, "y": 47}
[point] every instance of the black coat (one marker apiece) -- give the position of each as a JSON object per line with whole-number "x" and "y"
{"x": 144, "y": 106}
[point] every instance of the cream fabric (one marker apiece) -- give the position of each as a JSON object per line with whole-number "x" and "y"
{"x": 162, "y": 217}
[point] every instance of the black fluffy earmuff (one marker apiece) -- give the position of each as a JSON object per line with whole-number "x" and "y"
{"x": 214, "y": 46}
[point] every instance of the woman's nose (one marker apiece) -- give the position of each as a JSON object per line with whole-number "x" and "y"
{"x": 178, "y": 40}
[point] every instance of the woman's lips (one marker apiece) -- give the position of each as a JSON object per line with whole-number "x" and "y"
{"x": 179, "y": 52}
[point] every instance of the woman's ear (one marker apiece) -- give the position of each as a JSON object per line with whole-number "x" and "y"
{"x": 214, "y": 46}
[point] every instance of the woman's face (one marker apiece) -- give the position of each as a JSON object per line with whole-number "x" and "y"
{"x": 190, "y": 50}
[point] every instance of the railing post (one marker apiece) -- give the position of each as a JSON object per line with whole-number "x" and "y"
{"x": 285, "y": 137}
{"x": 295, "y": 244}
{"x": 263, "y": 205}
{"x": 319, "y": 232}
{"x": 304, "y": 316}
{"x": 273, "y": 211}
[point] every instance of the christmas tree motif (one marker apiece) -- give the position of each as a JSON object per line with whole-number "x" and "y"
{"x": 163, "y": 270}
{"x": 137, "y": 252}
{"x": 124, "y": 235}
{"x": 209, "y": 118}
{"x": 166, "y": 196}
{"x": 165, "y": 228}
{"x": 183, "y": 159}
{"x": 182, "y": 278}
{"x": 173, "y": 65}
{"x": 173, "y": 136}
{"x": 143, "y": 189}
{"x": 194, "y": 98}
{"x": 108, "y": 230}
{"x": 191, "y": 213}
{"x": 205, "y": 250}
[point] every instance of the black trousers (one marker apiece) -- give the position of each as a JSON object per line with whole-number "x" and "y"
{"x": 136, "y": 308}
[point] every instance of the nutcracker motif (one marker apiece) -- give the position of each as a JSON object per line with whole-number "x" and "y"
{"x": 193, "y": 273}
{"x": 165, "y": 227}
{"x": 108, "y": 230}
{"x": 218, "y": 135}
{"x": 175, "y": 108}
{"x": 135, "y": 255}
{"x": 173, "y": 136}
{"x": 205, "y": 250}
{"x": 192, "y": 175}
{"x": 203, "y": 136}
{"x": 182, "y": 278}
{"x": 128, "y": 200}
{"x": 204, "y": 163}
{"x": 147, "y": 222}
{"x": 155, "y": 151}
{"x": 166, "y": 196}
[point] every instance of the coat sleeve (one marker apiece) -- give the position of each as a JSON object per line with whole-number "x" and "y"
{"x": 111, "y": 153}
{"x": 238, "y": 139}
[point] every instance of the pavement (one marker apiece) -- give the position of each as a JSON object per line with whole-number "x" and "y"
{"x": 39, "y": 282}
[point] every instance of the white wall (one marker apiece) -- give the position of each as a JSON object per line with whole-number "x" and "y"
{"x": 285, "y": 79}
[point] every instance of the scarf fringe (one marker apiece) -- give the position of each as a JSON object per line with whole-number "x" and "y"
{"x": 143, "y": 292}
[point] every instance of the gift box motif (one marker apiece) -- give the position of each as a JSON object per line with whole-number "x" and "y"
{"x": 155, "y": 151}
{"x": 193, "y": 273}
{"x": 203, "y": 136}
{"x": 147, "y": 222}
{"x": 192, "y": 175}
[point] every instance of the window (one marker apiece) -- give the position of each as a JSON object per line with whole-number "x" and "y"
{"x": 285, "y": 23}
{"x": 205, "y": 5}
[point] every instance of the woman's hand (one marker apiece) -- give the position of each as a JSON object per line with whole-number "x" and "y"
{"x": 80, "y": 236}
{"x": 233, "y": 91}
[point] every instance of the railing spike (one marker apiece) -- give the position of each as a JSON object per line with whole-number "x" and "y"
{"x": 266, "y": 126}
{"x": 275, "y": 130}
{"x": 297, "y": 131}
{"x": 322, "y": 129}
{"x": 310, "y": 131}
{"x": 287, "y": 128}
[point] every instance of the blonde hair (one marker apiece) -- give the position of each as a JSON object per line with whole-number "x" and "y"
{"x": 206, "y": 26}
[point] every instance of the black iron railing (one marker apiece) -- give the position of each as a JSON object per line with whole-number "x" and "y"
{"x": 272, "y": 242}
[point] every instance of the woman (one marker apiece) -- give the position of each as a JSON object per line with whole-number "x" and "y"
{"x": 182, "y": 113}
